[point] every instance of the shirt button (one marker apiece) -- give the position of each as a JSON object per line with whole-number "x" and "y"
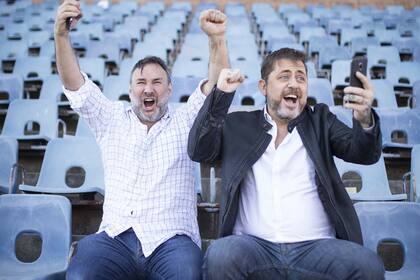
{"x": 132, "y": 212}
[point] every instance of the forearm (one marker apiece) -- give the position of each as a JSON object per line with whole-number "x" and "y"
{"x": 218, "y": 60}
{"x": 67, "y": 65}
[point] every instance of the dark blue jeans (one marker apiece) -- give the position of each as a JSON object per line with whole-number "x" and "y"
{"x": 99, "y": 256}
{"x": 248, "y": 257}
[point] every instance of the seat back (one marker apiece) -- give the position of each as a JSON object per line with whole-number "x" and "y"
{"x": 52, "y": 89}
{"x": 375, "y": 184}
{"x": 384, "y": 94}
{"x": 46, "y": 215}
{"x": 415, "y": 172}
{"x": 403, "y": 73}
{"x": 321, "y": 90}
{"x": 8, "y": 157}
{"x": 83, "y": 129}
{"x": 64, "y": 153}
{"x": 31, "y": 68}
{"x": 13, "y": 85}
{"x": 396, "y": 221}
{"x": 23, "y": 111}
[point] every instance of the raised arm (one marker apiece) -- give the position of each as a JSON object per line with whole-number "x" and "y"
{"x": 67, "y": 64}
{"x": 214, "y": 24}
{"x": 205, "y": 138}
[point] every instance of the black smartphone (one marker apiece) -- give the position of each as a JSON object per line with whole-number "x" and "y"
{"x": 357, "y": 64}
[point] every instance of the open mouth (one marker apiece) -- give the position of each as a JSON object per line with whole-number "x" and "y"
{"x": 149, "y": 103}
{"x": 291, "y": 99}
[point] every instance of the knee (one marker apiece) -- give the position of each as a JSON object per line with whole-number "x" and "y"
{"x": 368, "y": 265}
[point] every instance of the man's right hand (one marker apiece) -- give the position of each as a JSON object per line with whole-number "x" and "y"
{"x": 68, "y": 9}
{"x": 213, "y": 23}
{"x": 229, "y": 80}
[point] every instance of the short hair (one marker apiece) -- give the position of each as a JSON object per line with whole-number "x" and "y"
{"x": 151, "y": 60}
{"x": 285, "y": 53}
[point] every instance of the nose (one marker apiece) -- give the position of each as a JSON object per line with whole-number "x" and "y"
{"x": 293, "y": 83}
{"x": 148, "y": 88}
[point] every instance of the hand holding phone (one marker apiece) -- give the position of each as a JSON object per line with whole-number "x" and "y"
{"x": 358, "y": 64}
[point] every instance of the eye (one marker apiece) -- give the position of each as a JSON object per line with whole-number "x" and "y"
{"x": 301, "y": 79}
{"x": 141, "y": 82}
{"x": 284, "y": 78}
{"x": 157, "y": 82}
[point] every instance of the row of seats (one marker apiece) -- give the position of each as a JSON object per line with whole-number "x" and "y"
{"x": 50, "y": 217}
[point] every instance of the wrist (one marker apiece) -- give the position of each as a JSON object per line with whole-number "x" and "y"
{"x": 217, "y": 39}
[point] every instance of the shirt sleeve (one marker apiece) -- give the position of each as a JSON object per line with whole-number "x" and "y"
{"x": 90, "y": 103}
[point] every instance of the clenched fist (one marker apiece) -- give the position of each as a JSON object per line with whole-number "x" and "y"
{"x": 68, "y": 9}
{"x": 229, "y": 80}
{"x": 213, "y": 22}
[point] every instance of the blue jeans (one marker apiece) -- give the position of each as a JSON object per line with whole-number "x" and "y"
{"x": 99, "y": 256}
{"x": 248, "y": 257}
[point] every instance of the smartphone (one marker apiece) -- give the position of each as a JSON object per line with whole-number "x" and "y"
{"x": 357, "y": 64}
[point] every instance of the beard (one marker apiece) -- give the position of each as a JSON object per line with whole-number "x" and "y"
{"x": 281, "y": 112}
{"x": 161, "y": 109}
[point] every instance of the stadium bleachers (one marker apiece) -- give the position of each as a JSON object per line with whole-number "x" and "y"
{"x": 109, "y": 41}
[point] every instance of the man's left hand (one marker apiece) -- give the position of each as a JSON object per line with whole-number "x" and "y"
{"x": 360, "y": 100}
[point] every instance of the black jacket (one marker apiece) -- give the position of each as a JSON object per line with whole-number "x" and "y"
{"x": 240, "y": 138}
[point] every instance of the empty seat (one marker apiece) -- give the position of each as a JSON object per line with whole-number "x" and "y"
{"x": 183, "y": 87}
{"x": 400, "y": 128}
{"x": 403, "y": 74}
{"x": 9, "y": 157}
{"x": 23, "y": 113}
{"x": 49, "y": 217}
{"x": 12, "y": 85}
{"x": 329, "y": 54}
{"x": 384, "y": 94}
{"x": 83, "y": 129}
{"x": 340, "y": 73}
{"x": 375, "y": 185}
{"x": 63, "y": 154}
{"x": 33, "y": 68}
{"x": 94, "y": 68}
{"x": 396, "y": 222}
{"x": 344, "y": 115}
{"x": 52, "y": 89}
{"x": 381, "y": 56}
{"x": 320, "y": 90}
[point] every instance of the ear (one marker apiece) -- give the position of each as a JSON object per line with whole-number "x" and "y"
{"x": 263, "y": 87}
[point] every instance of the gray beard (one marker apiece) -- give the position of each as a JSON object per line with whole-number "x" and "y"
{"x": 153, "y": 118}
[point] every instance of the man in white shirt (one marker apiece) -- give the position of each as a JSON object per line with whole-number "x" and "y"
{"x": 285, "y": 213}
{"x": 149, "y": 227}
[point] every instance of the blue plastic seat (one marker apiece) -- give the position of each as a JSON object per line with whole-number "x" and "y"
{"x": 249, "y": 94}
{"x": 183, "y": 87}
{"x": 416, "y": 96}
{"x": 403, "y": 74}
{"x": 320, "y": 89}
{"x": 14, "y": 50}
{"x": 381, "y": 56}
{"x": 340, "y": 72}
{"x": 61, "y": 155}
{"x": 393, "y": 221}
{"x": 329, "y": 54}
{"x": 375, "y": 185}
{"x": 406, "y": 45}
{"x": 33, "y": 68}
{"x": 52, "y": 89}
{"x": 344, "y": 115}
{"x": 23, "y": 111}
{"x": 9, "y": 157}
{"x": 386, "y": 36}
{"x": 359, "y": 45}
{"x": 307, "y": 32}
{"x": 347, "y": 34}
{"x": 318, "y": 43}
{"x": 83, "y": 129}
{"x": 384, "y": 94}
{"x": 49, "y": 216}
{"x": 12, "y": 85}
{"x": 397, "y": 120}
{"x": 108, "y": 50}
{"x": 94, "y": 68}
{"x": 116, "y": 87}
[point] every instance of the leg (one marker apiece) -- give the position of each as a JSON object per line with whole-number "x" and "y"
{"x": 333, "y": 259}
{"x": 177, "y": 258}
{"x": 243, "y": 257}
{"x": 99, "y": 256}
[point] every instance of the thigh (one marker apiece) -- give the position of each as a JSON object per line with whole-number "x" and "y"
{"x": 177, "y": 258}
{"x": 99, "y": 256}
{"x": 334, "y": 259}
{"x": 243, "y": 257}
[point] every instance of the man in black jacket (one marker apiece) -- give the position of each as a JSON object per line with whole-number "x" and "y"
{"x": 285, "y": 213}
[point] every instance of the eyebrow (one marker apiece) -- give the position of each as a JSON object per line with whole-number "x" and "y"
{"x": 153, "y": 80}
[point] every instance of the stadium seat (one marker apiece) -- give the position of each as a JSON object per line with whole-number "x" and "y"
{"x": 63, "y": 154}
{"x": 83, "y": 129}
{"x": 12, "y": 85}
{"x": 116, "y": 88}
{"x": 52, "y": 89}
{"x": 403, "y": 74}
{"x": 9, "y": 157}
{"x": 384, "y": 94}
{"x": 48, "y": 216}
{"x": 329, "y": 54}
{"x": 414, "y": 175}
{"x": 386, "y": 36}
{"x": 359, "y": 45}
{"x": 415, "y": 101}
{"x": 375, "y": 185}
{"x": 343, "y": 114}
{"x": 183, "y": 87}
{"x": 406, "y": 122}
{"x": 33, "y": 68}
{"x": 378, "y": 55}
{"x": 320, "y": 90}
{"x": 396, "y": 222}
{"x": 340, "y": 73}
{"x": 307, "y": 32}
{"x": 94, "y": 68}
{"x": 318, "y": 43}
{"x": 249, "y": 94}
{"x": 42, "y": 112}
{"x": 347, "y": 34}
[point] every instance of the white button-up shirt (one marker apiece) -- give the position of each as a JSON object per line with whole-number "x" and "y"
{"x": 149, "y": 178}
{"x": 279, "y": 201}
